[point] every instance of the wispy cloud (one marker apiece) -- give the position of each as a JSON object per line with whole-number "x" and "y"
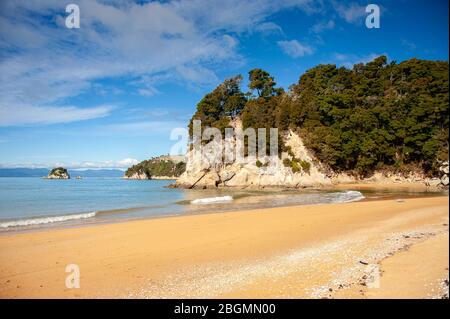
{"x": 322, "y": 26}
{"x": 349, "y": 60}
{"x": 149, "y": 91}
{"x": 408, "y": 44}
{"x": 120, "y": 164}
{"x": 269, "y": 28}
{"x": 28, "y": 114}
{"x": 295, "y": 49}
{"x": 43, "y": 63}
{"x": 142, "y": 127}
{"x": 350, "y": 12}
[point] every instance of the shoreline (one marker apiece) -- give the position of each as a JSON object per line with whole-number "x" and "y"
{"x": 358, "y": 185}
{"x": 278, "y": 252}
{"x": 401, "y": 195}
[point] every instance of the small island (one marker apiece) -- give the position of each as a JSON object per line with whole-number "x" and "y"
{"x": 58, "y": 173}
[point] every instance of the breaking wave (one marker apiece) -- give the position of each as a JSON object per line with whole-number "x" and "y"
{"x": 45, "y": 220}
{"x": 212, "y": 200}
{"x": 349, "y": 196}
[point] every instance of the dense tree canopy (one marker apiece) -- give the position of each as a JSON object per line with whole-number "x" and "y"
{"x": 263, "y": 83}
{"x": 377, "y": 115}
{"x": 222, "y": 104}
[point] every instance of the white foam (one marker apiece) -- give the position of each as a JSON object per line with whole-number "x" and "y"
{"x": 212, "y": 200}
{"x": 45, "y": 220}
{"x": 349, "y": 196}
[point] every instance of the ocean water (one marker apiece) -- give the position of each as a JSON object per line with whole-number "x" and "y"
{"x": 30, "y": 202}
{"x": 26, "y": 201}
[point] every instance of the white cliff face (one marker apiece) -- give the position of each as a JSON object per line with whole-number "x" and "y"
{"x": 270, "y": 173}
{"x": 316, "y": 175}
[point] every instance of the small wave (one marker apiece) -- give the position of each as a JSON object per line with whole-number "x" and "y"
{"x": 349, "y": 196}
{"x": 212, "y": 200}
{"x": 45, "y": 220}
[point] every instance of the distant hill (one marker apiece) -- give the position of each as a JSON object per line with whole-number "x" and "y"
{"x": 40, "y": 172}
{"x": 23, "y": 172}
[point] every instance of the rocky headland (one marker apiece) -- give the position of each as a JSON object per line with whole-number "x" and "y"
{"x": 297, "y": 168}
{"x": 164, "y": 167}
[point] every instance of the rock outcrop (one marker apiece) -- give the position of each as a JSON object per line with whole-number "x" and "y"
{"x": 444, "y": 174}
{"x": 263, "y": 172}
{"x": 58, "y": 173}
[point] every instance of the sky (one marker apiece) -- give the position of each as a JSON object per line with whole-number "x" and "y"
{"x": 109, "y": 93}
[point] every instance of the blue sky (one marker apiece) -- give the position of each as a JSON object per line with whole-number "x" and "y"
{"x": 109, "y": 93}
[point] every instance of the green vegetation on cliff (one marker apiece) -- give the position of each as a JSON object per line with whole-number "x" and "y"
{"x": 158, "y": 166}
{"x": 376, "y": 116}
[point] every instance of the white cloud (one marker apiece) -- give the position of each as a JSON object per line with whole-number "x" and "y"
{"x": 143, "y": 127}
{"x": 349, "y": 60}
{"x": 43, "y": 63}
{"x": 27, "y": 114}
{"x": 269, "y": 28}
{"x": 350, "y": 12}
{"x": 295, "y": 49}
{"x": 127, "y": 162}
{"x": 149, "y": 91}
{"x": 120, "y": 164}
{"x": 408, "y": 44}
{"x": 322, "y": 26}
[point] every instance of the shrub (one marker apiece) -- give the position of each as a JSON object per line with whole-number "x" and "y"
{"x": 306, "y": 166}
{"x": 259, "y": 164}
{"x": 296, "y": 168}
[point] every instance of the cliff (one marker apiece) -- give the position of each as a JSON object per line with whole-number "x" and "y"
{"x": 279, "y": 172}
{"x": 200, "y": 173}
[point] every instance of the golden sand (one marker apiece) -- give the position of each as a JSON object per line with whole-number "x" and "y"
{"x": 322, "y": 251}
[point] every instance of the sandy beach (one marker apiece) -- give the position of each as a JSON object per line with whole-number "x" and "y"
{"x": 371, "y": 249}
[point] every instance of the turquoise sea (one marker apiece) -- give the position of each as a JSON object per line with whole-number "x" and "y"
{"x": 31, "y": 202}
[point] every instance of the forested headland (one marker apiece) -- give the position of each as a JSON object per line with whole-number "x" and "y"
{"x": 378, "y": 116}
